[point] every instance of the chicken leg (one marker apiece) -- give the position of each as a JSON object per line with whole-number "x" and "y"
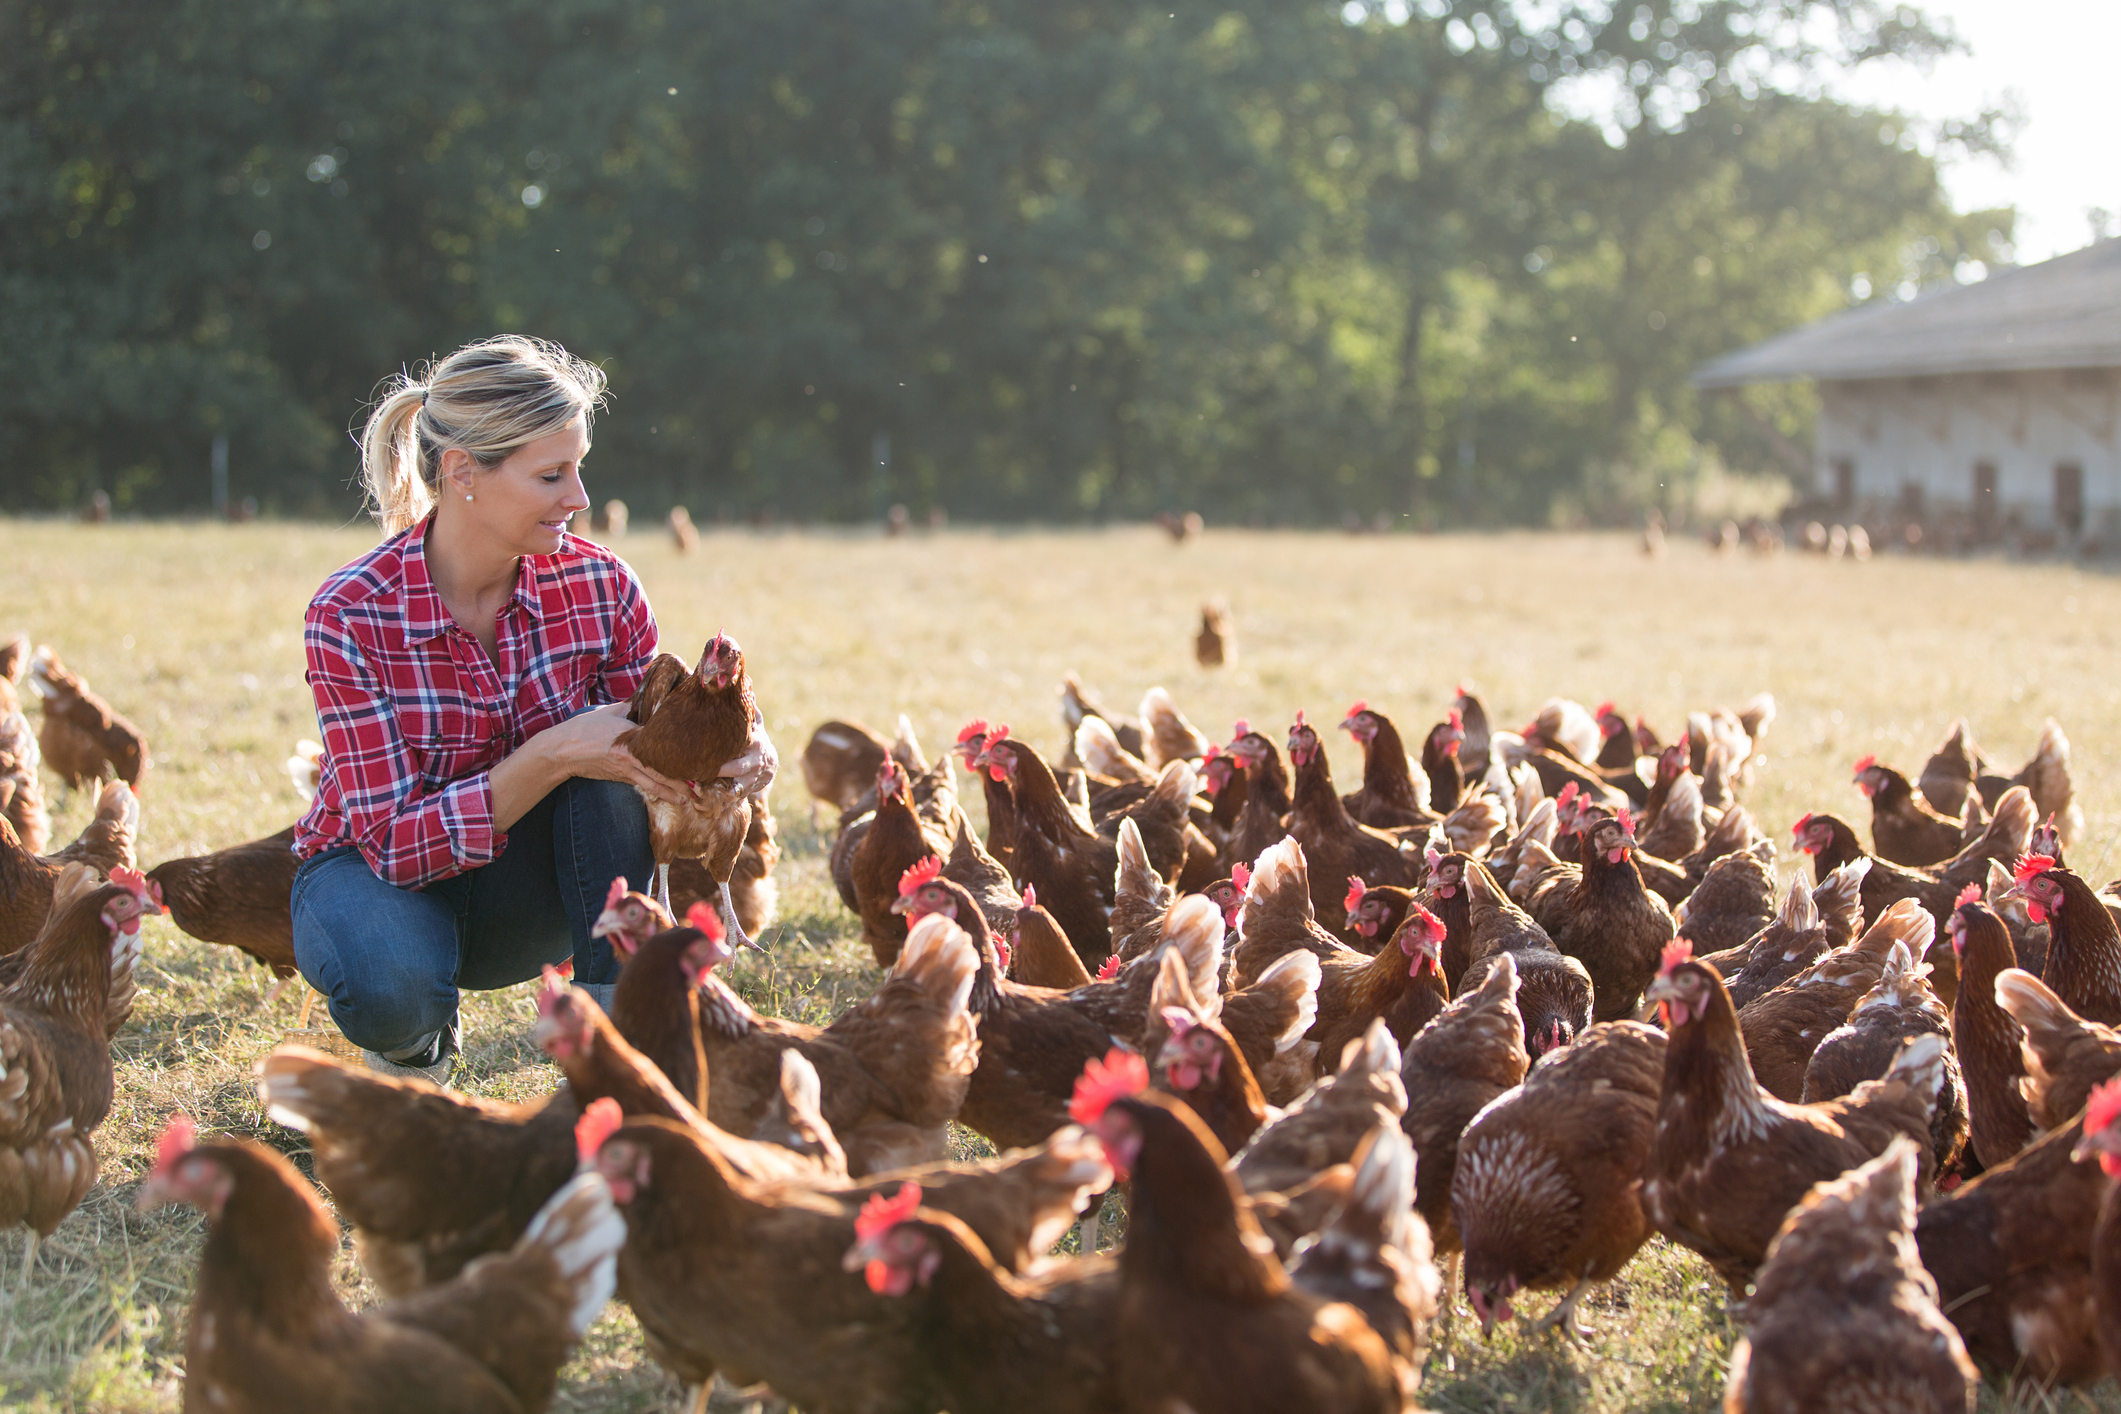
{"x": 737, "y": 934}
{"x": 1566, "y": 1316}
{"x": 29, "y": 1259}
{"x": 662, "y": 886}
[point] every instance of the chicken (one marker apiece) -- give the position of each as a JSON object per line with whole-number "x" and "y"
{"x": 1470, "y": 1054}
{"x": 2102, "y": 1139}
{"x": 2010, "y": 1252}
{"x": 1947, "y": 778}
{"x": 26, "y": 880}
{"x": 1207, "y": 1320}
{"x": 1216, "y": 643}
{"x": 1986, "y": 1037}
{"x": 1810, "y": 923}
{"x": 1374, "y": 914}
{"x": 990, "y": 1340}
{"x": 1832, "y": 843}
{"x": 896, "y": 839}
{"x": 1901, "y": 1006}
{"x": 1844, "y": 1316}
{"x": 1616, "y": 744}
{"x": 1034, "y": 1042}
{"x": 1608, "y": 920}
{"x": 1727, "y": 1159}
{"x": 1783, "y": 1027}
{"x": 1079, "y": 701}
{"x": 1038, "y": 953}
{"x": 268, "y": 1333}
{"x": 1326, "y": 1126}
{"x": 895, "y": 1069}
{"x": 1904, "y": 829}
{"x": 1678, "y": 829}
{"x": 1336, "y": 846}
{"x": 1404, "y": 985}
{"x": 840, "y": 760}
{"x": 56, "y": 1018}
{"x": 2083, "y": 965}
{"x": 1166, "y": 734}
{"x": 1439, "y": 762}
{"x": 1735, "y": 900}
{"x": 687, "y": 726}
{"x": 795, "y": 1117}
{"x": 21, "y": 791}
{"x": 2063, "y": 1055}
{"x": 1195, "y": 1060}
{"x": 1555, "y": 995}
{"x": 82, "y": 738}
{"x": 1266, "y": 799}
{"x": 1546, "y": 1193}
{"x": 1374, "y": 1254}
{"x": 1390, "y": 796}
{"x": 237, "y": 897}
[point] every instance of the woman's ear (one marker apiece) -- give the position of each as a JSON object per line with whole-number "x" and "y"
{"x": 456, "y": 469}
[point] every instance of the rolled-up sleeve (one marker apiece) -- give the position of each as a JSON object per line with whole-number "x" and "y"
{"x": 633, "y": 642}
{"x": 408, "y": 835}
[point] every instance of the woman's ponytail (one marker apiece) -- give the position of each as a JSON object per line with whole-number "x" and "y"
{"x": 392, "y": 465}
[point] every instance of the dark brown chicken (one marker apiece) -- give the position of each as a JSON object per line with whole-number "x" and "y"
{"x": 1832, "y": 842}
{"x": 1901, "y": 1006}
{"x": 237, "y": 897}
{"x": 82, "y": 738}
{"x": 896, "y": 839}
{"x": 2084, "y": 943}
{"x": 1546, "y": 1193}
{"x": 1389, "y": 796}
{"x": 1783, "y": 1027}
{"x": 1472, "y": 1052}
{"x": 1736, "y": 899}
{"x": 687, "y": 726}
{"x": 1555, "y": 995}
{"x": 840, "y": 760}
{"x": 26, "y": 880}
{"x": 1728, "y": 1160}
{"x": 1261, "y": 821}
{"x": 1844, "y": 1314}
{"x": 1335, "y": 846}
{"x": 2064, "y": 1055}
{"x": 1904, "y": 829}
{"x": 1608, "y": 920}
{"x": 1811, "y": 923}
{"x": 1985, "y": 1036}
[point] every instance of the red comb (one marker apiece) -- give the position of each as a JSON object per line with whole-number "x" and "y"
{"x": 1864, "y": 763}
{"x": 1120, "y": 1075}
{"x": 1970, "y": 894}
{"x": 616, "y": 892}
{"x": 1031, "y": 896}
{"x": 1568, "y": 793}
{"x": 1458, "y": 719}
{"x": 880, "y": 1214}
{"x": 976, "y": 727}
{"x": 997, "y": 733}
{"x": 597, "y": 1124}
{"x": 1430, "y": 923}
{"x": 924, "y": 872}
{"x": 1356, "y": 889}
{"x": 179, "y": 1137}
{"x": 2105, "y": 1104}
{"x": 555, "y": 988}
{"x": 1241, "y": 875}
{"x": 1605, "y": 709}
{"x": 705, "y": 919}
{"x": 1109, "y": 968}
{"x": 1239, "y": 728}
{"x": 1798, "y": 828}
{"x": 2032, "y": 866}
{"x": 1625, "y": 820}
{"x": 130, "y": 880}
{"x": 1213, "y": 752}
{"x": 1361, "y": 706}
{"x": 1465, "y": 687}
{"x": 1675, "y": 952}
{"x": 1300, "y": 722}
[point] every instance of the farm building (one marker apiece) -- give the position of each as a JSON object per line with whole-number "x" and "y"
{"x": 1990, "y": 406}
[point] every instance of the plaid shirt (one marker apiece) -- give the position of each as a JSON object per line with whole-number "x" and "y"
{"x": 414, "y": 716}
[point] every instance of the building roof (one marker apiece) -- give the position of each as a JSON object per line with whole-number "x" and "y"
{"x": 2061, "y": 313}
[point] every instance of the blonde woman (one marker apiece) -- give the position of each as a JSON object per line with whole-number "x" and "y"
{"x": 470, "y": 674}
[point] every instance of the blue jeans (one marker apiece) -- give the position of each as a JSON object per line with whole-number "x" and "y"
{"x": 389, "y": 961}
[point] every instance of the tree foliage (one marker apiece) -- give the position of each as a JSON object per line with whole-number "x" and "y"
{"x": 1058, "y": 259}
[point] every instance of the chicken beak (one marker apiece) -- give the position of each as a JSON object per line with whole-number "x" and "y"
{"x": 902, "y": 904}
{"x": 859, "y": 1256}
{"x": 607, "y": 923}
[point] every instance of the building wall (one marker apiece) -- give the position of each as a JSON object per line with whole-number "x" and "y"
{"x": 1931, "y": 434}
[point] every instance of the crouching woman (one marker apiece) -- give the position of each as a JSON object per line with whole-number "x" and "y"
{"x": 470, "y": 675}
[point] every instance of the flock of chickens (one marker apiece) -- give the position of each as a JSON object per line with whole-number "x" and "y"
{"x": 1512, "y": 1005}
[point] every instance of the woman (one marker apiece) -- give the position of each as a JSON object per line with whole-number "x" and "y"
{"x": 470, "y": 675}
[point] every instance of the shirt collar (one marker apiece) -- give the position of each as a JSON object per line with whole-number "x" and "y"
{"x": 424, "y": 616}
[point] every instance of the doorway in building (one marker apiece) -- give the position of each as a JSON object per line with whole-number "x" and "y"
{"x": 1985, "y": 499}
{"x": 1844, "y": 483}
{"x": 2069, "y": 498}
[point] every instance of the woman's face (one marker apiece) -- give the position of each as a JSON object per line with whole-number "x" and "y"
{"x": 525, "y": 502}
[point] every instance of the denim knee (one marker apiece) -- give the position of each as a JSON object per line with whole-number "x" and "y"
{"x": 385, "y": 958}
{"x": 613, "y": 815}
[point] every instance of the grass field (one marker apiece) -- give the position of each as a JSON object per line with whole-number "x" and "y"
{"x": 195, "y": 632}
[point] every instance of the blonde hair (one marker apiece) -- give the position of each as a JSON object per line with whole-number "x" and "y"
{"x": 487, "y": 399}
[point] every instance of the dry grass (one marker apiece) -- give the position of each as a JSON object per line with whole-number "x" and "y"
{"x": 194, "y": 631}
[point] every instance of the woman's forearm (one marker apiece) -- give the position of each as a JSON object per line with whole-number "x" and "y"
{"x": 523, "y": 778}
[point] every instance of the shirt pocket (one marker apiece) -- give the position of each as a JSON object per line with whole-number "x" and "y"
{"x": 448, "y": 739}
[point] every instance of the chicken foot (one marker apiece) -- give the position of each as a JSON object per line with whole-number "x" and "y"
{"x": 737, "y": 934}
{"x": 29, "y": 1258}
{"x": 1566, "y": 1316}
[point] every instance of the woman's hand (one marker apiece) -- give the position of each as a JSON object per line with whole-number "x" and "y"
{"x": 754, "y": 768}
{"x": 586, "y": 745}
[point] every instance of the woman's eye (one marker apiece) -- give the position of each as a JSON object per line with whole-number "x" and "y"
{"x": 552, "y": 480}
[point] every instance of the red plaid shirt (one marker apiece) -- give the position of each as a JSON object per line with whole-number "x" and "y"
{"x": 414, "y": 715}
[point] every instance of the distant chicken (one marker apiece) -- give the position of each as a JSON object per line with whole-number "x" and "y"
{"x": 268, "y": 1332}
{"x": 1547, "y": 1190}
{"x": 56, "y": 1018}
{"x": 1832, "y": 842}
{"x": 1455, "y": 1066}
{"x": 1727, "y": 1159}
{"x": 82, "y": 738}
{"x": 1904, "y": 829}
{"x": 26, "y": 880}
{"x": 237, "y": 897}
{"x": 1843, "y": 1314}
{"x": 687, "y": 726}
{"x": 1216, "y": 643}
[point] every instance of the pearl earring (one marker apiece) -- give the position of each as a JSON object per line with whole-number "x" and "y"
{"x": 467, "y": 495}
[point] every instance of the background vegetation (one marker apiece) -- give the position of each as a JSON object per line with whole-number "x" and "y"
{"x": 1057, "y": 259}
{"x": 1862, "y": 658}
